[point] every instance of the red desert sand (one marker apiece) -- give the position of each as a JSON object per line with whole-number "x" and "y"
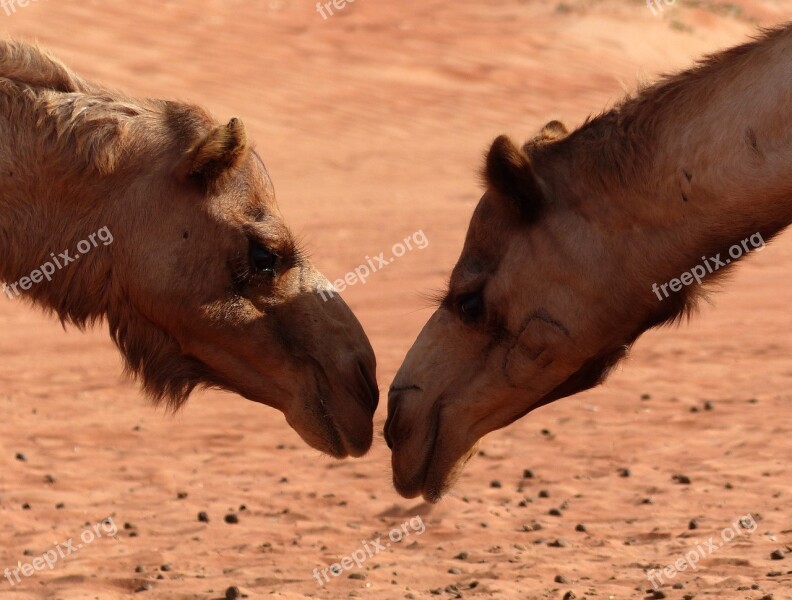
{"x": 373, "y": 123}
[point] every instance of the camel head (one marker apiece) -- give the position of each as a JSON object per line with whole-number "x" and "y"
{"x": 526, "y": 319}
{"x": 213, "y": 290}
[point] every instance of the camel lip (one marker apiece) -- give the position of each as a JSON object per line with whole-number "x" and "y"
{"x": 338, "y": 446}
{"x": 336, "y": 441}
{"x": 416, "y": 485}
{"x": 341, "y": 446}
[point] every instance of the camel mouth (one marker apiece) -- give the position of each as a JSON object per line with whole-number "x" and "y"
{"x": 326, "y": 423}
{"x": 436, "y": 471}
{"x": 340, "y": 443}
{"x": 410, "y": 481}
{"x": 337, "y": 447}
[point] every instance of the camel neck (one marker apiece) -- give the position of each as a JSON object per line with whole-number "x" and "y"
{"x": 54, "y": 242}
{"x": 697, "y": 163}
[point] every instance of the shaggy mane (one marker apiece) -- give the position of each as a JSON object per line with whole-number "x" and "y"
{"x": 86, "y": 119}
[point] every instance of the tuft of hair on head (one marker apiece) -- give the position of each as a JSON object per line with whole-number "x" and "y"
{"x": 509, "y": 172}
{"x": 217, "y": 152}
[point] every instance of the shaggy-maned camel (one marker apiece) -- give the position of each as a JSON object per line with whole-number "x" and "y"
{"x": 558, "y": 273}
{"x": 203, "y": 285}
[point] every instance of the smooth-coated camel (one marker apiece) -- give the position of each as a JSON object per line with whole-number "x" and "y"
{"x": 203, "y": 284}
{"x": 569, "y": 250}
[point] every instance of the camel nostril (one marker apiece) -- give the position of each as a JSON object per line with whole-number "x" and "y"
{"x": 371, "y": 386}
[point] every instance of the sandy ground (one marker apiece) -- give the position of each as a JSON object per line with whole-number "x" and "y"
{"x": 373, "y": 125}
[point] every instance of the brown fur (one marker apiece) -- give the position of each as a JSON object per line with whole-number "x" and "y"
{"x": 635, "y": 197}
{"x": 185, "y": 199}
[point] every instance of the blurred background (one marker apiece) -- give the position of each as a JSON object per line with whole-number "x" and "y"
{"x": 373, "y": 123}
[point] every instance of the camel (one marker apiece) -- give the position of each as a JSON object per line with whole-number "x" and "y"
{"x": 577, "y": 247}
{"x": 172, "y": 235}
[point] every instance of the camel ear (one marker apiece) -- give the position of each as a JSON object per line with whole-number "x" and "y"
{"x": 509, "y": 172}
{"x": 220, "y": 150}
{"x": 554, "y": 130}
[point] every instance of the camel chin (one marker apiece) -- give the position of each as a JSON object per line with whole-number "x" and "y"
{"x": 437, "y": 485}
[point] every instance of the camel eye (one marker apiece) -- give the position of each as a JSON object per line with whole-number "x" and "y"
{"x": 262, "y": 260}
{"x": 471, "y": 307}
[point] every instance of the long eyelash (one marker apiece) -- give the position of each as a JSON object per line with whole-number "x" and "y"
{"x": 297, "y": 249}
{"x": 435, "y": 298}
{"x": 240, "y": 272}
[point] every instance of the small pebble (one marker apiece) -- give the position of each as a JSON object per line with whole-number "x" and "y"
{"x": 21, "y": 456}
{"x": 693, "y": 524}
{"x": 681, "y": 479}
{"x": 528, "y": 474}
{"x": 554, "y": 512}
{"x": 496, "y": 484}
{"x": 544, "y": 494}
{"x": 233, "y": 593}
{"x": 624, "y": 472}
{"x": 581, "y": 528}
{"x": 560, "y": 579}
{"x": 357, "y": 575}
{"x": 462, "y": 555}
{"x": 203, "y": 517}
{"x": 777, "y": 555}
{"x": 231, "y": 519}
